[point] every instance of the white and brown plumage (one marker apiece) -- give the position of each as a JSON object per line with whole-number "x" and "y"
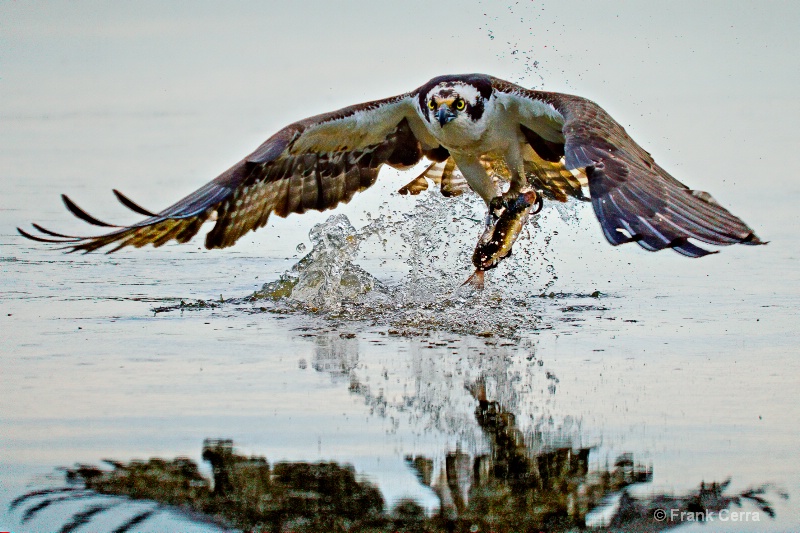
{"x": 472, "y": 126}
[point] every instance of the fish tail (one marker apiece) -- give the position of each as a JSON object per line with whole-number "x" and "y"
{"x": 475, "y": 280}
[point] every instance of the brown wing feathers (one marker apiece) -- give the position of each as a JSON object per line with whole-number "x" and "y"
{"x": 634, "y": 199}
{"x": 270, "y": 180}
{"x": 130, "y": 204}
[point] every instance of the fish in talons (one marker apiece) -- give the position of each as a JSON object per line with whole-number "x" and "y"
{"x": 504, "y": 222}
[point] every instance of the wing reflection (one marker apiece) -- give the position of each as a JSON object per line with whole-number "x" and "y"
{"x": 512, "y": 488}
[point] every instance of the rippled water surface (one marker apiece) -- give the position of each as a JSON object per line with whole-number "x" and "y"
{"x": 351, "y": 339}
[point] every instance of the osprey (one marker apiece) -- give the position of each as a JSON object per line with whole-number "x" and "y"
{"x": 473, "y": 128}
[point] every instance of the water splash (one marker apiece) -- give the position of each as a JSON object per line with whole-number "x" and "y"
{"x": 431, "y": 246}
{"x": 327, "y": 277}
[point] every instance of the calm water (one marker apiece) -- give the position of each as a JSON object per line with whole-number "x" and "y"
{"x": 691, "y": 366}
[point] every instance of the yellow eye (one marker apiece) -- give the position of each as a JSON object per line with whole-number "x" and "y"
{"x": 460, "y": 104}
{"x": 431, "y": 105}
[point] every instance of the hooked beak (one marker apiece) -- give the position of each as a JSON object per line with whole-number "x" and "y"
{"x": 445, "y": 114}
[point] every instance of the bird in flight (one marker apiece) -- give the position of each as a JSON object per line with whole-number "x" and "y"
{"x": 477, "y": 131}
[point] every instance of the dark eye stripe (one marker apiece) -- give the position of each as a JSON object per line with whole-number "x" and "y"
{"x": 475, "y": 111}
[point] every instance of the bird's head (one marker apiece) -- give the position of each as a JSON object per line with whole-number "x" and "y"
{"x": 456, "y": 103}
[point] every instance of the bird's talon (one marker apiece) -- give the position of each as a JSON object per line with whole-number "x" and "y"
{"x": 497, "y": 202}
{"x": 497, "y": 206}
{"x": 538, "y": 204}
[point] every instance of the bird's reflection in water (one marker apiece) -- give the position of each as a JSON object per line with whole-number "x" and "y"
{"x": 515, "y": 486}
{"x": 510, "y": 489}
{"x": 525, "y": 480}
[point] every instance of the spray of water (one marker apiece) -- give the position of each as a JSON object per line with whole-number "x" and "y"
{"x": 431, "y": 246}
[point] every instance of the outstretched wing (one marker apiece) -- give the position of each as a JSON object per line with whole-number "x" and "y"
{"x": 634, "y": 199}
{"x": 316, "y": 163}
